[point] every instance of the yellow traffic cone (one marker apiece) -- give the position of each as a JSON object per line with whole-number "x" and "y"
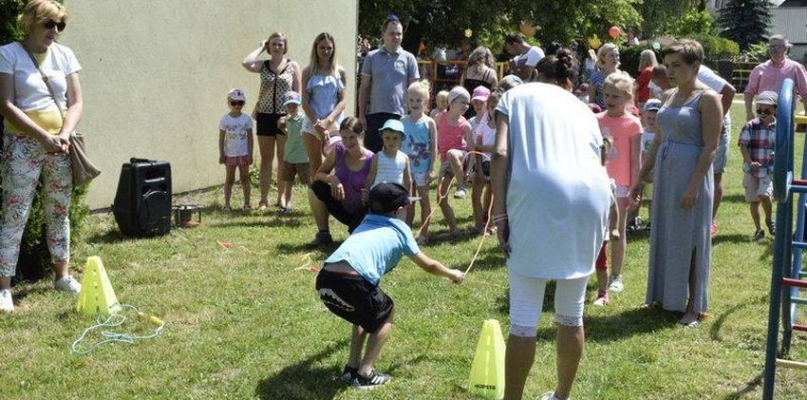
{"x": 96, "y": 293}
{"x": 487, "y": 370}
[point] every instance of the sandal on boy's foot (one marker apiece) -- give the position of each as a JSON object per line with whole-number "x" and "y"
{"x": 370, "y": 382}
{"x": 771, "y": 227}
{"x": 348, "y": 374}
{"x": 690, "y": 324}
{"x": 286, "y": 210}
{"x": 246, "y": 208}
{"x": 262, "y": 206}
{"x": 759, "y": 234}
{"x": 602, "y": 299}
{"x": 226, "y": 210}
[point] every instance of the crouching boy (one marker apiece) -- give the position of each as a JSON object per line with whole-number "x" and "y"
{"x": 348, "y": 284}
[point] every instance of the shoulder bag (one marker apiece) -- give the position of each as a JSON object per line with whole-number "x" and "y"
{"x": 83, "y": 168}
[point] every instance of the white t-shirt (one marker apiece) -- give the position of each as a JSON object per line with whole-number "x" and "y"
{"x": 558, "y": 193}
{"x": 531, "y": 57}
{"x": 647, "y": 140}
{"x": 236, "y": 134}
{"x": 486, "y": 133}
{"x": 30, "y": 91}
{"x": 715, "y": 82}
{"x": 711, "y": 79}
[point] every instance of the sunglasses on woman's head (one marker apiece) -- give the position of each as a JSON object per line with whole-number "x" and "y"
{"x": 50, "y": 24}
{"x": 236, "y": 103}
{"x": 764, "y": 112}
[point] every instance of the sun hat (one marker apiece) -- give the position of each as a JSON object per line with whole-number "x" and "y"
{"x": 393, "y": 125}
{"x": 481, "y": 93}
{"x": 387, "y": 197}
{"x": 237, "y": 94}
{"x": 457, "y": 91}
{"x": 768, "y": 97}
{"x": 291, "y": 97}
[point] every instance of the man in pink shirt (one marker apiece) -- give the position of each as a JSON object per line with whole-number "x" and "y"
{"x": 770, "y": 75}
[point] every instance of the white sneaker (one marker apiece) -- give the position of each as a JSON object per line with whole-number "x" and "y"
{"x": 615, "y": 283}
{"x": 6, "y": 303}
{"x": 550, "y": 396}
{"x": 67, "y": 284}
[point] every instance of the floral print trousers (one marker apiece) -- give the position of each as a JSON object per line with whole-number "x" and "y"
{"x": 24, "y": 160}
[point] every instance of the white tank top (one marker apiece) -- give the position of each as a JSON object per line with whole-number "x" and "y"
{"x": 390, "y": 169}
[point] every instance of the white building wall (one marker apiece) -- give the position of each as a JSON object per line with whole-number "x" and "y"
{"x": 156, "y": 73}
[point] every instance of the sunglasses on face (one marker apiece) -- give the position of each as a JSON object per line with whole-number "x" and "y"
{"x": 776, "y": 46}
{"x": 764, "y": 112}
{"x": 50, "y": 24}
{"x": 236, "y": 103}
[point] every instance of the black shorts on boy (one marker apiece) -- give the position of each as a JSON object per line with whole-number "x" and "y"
{"x": 354, "y": 299}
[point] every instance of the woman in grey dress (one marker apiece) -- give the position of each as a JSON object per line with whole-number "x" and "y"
{"x": 680, "y": 159}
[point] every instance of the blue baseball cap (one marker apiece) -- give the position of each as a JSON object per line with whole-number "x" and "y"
{"x": 393, "y": 125}
{"x": 291, "y": 97}
{"x": 652, "y": 105}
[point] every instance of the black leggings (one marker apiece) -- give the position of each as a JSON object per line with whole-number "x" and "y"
{"x": 323, "y": 192}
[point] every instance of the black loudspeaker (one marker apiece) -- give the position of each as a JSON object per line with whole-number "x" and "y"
{"x": 143, "y": 202}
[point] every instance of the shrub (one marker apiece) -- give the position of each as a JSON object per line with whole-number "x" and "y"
{"x": 34, "y": 261}
{"x": 629, "y": 58}
{"x": 756, "y": 52}
{"x": 718, "y": 48}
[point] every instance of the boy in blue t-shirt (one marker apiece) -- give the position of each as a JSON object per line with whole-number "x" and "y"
{"x": 348, "y": 282}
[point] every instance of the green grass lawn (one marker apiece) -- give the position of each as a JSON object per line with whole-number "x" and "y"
{"x": 245, "y": 323}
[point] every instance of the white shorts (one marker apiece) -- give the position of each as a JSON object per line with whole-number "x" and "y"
{"x": 527, "y": 300}
{"x": 420, "y": 179}
{"x": 308, "y": 127}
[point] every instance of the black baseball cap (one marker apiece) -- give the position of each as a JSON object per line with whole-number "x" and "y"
{"x": 387, "y": 197}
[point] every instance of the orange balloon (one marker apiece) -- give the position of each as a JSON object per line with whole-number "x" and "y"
{"x": 614, "y": 32}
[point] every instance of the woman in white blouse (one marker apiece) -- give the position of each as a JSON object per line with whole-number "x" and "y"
{"x": 35, "y": 139}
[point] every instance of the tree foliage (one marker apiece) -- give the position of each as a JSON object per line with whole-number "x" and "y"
{"x": 444, "y": 22}
{"x": 745, "y": 21}
{"x": 660, "y": 17}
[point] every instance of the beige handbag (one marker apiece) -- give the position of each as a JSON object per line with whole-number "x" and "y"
{"x": 83, "y": 168}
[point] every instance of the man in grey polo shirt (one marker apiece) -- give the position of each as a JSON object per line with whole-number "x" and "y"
{"x": 385, "y": 76}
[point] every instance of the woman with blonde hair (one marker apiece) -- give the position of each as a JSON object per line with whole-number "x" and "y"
{"x": 607, "y": 63}
{"x": 278, "y": 76}
{"x": 324, "y": 98}
{"x": 480, "y": 71}
{"x": 36, "y": 138}
{"x": 647, "y": 60}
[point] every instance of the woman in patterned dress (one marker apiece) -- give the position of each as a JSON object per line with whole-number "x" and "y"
{"x": 278, "y": 76}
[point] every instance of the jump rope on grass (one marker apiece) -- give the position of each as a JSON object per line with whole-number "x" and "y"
{"x": 114, "y": 321}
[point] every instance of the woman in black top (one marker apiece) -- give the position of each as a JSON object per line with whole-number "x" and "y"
{"x": 480, "y": 71}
